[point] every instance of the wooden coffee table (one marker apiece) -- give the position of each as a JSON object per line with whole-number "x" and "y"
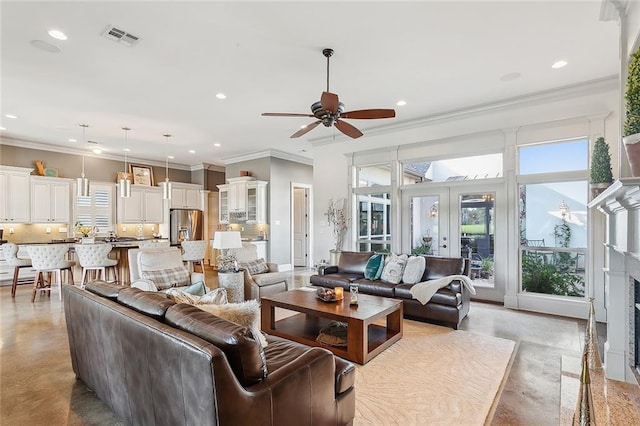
{"x": 365, "y": 340}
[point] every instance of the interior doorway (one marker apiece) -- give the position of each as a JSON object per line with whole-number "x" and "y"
{"x": 301, "y": 225}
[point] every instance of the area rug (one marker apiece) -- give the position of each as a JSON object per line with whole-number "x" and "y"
{"x": 434, "y": 375}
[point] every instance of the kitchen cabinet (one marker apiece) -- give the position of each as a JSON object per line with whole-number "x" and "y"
{"x": 185, "y": 196}
{"x": 243, "y": 199}
{"x": 50, "y": 199}
{"x": 144, "y": 206}
{"x": 257, "y": 202}
{"x": 14, "y": 194}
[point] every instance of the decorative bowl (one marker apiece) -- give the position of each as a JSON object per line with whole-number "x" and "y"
{"x": 327, "y": 295}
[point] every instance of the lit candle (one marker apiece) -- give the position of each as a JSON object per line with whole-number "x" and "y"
{"x": 339, "y": 292}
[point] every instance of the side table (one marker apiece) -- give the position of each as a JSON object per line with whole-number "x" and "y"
{"x": 233, "y": 282}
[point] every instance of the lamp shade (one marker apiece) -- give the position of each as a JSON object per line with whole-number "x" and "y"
{"x": 227, "y": 240}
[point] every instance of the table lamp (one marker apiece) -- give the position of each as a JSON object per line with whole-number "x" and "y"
{"x": 225, "y": 240}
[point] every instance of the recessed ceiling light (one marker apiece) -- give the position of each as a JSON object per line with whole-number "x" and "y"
{"x": 221, "y": 96}
{"x": 559, "y": 64}
{"x": 72, "y": 140}
{"x": 401, "y": 103}
{"x": 11, "y": 116}
{"x": 44, "y": 46}
{"x": 510, "y": 76}
{"x": 97, "y": 151}
{"x": 191, "y": 151}
{"x": 3, "y": 128}
{"x": 216, "y": 144}
{"x": 126, "y": 150}
{"x": 57, "y": 34}
{"x": 170, "y": 157}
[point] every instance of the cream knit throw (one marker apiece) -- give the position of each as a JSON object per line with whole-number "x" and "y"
{"x": 425, "y": 290}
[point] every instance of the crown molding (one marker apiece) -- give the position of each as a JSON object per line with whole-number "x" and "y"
{"x": 269, "y": 153}
{"x": 206, "y": 166}
{"x": 590, "y": 87}
{"x": 23, "y": 143}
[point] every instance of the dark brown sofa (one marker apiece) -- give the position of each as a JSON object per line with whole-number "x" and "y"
{"x": 155, "y": 362}
{"x": 449, "y": 306}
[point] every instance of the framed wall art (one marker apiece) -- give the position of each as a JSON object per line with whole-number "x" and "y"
{"x": 142, "y": 175}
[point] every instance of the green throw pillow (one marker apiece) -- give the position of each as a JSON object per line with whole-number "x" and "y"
{"x": 197, "y": 289}
{"x": 374, "y": 267}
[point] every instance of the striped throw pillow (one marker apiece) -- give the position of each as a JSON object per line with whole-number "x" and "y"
{"x": 258, "y": 266}
{"x": 167, "y": 278}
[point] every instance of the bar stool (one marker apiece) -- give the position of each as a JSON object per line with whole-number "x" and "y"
{"x": 193, "y": 252}
{"x": 95, "y": 257}
{"x": 49, "y": 258}
{"x": 10, "y": 253}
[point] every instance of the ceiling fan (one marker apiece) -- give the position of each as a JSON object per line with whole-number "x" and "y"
{"x": 330, "y": 112}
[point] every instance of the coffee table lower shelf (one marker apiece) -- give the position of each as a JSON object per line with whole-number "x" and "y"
{"x": 366, "y": 336}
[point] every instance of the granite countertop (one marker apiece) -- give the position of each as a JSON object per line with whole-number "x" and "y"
{"x": 128, "y": 242}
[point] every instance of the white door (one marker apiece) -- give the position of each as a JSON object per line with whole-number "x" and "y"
{"x": 425, "y": 222}
{"x": 300, "y": 227}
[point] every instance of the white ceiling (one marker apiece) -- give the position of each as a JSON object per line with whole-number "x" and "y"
{"x": 266, "y": 57}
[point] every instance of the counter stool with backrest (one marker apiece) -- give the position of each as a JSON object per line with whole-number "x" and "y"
{"x": 10, "y": 253}
{"x": 95, "y": 257}
{"x": 193, "y": 252}
{"x": 49, "y": 258}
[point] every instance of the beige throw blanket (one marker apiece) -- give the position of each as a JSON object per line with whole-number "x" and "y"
{"x": 425, "y": 290}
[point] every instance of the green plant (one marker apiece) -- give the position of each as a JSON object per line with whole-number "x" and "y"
{"x": 424, "y": 246}
{"x": 486, "y": 264}
{"x": 601, "y": 163}
{"x": 539, "y": 276}
{"x": 632, "y": 96}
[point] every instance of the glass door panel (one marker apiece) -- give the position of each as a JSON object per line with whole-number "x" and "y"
{"x": 426, "y": 223}
{"x": 477, "y": 234}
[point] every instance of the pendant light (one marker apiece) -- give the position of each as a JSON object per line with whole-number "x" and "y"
{"x": 82, "y": 181}
{"x": 125, "y": 182}
{"x": 166, "y": 185}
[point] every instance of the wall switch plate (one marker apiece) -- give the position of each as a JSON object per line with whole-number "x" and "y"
{"x": 277, "y": 222}
{"x": 48, "y": 230}
{"x": 63, "y": 229}
{"x": 11, "y": 230}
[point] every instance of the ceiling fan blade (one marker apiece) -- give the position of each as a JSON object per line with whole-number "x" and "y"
{"x": 284, "y": 114}
{"x": 329, "y": 102}
{"x": 305, "y": 129}
{"x": 364, "y": 114}
{"x": 348, "y": 129}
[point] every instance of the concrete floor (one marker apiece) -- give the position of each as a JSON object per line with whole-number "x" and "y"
{"x": 39, "y": 387}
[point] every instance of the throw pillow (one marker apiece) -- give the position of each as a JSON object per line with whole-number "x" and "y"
{"x": 167, "y": 278}
{"x": 393, "y": 268}
{"x": 197, "y": 289}
{"x": 258, "y": 266}
{"x": 374, "y": 267}
{"x": 181, "y": 296}
{"x": 246, "y": 314}
{"x": 413, "y": 269}
{"x": 216, "y": 296}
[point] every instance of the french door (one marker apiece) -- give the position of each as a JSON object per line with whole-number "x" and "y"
{"x": 459, "y": 220}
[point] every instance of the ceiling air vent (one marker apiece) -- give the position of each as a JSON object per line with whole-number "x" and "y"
{"x": 120, "y": 36}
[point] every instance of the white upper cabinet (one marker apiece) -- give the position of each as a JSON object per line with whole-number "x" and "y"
{"x": 243, "y": 199}
{"x": 144, "y": 205}
{"x": 185, "y": 196}
{"x": 14, "y": 194}
{"x": 50, "y": 199}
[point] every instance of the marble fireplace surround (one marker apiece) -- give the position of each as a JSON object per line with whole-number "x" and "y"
{"x": 621, "y": 205}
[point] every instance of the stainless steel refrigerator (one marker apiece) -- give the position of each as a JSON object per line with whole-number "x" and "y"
{"x": 186, "y": 224}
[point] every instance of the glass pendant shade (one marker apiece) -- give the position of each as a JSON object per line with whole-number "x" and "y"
{"x": 124, "y": 185}
{"x": 166, "y": 189}
{"x": 83, "y": 186}
{"x": 83, "y": 182}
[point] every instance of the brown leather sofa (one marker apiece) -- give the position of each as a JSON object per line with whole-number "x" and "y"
{"x": 449, "y": 306}
{"x": 155, "y": 362}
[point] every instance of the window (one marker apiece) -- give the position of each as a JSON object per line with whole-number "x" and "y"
{"x": 373, "y": 225}
{"x": 553, "y": 217}
{"x": 378, "y": 175}
{"x": 454, "y": 169}
{"x": 96, "y": 210}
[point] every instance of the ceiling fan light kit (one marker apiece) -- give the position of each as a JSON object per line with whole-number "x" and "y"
{"x": 330, "y": 112}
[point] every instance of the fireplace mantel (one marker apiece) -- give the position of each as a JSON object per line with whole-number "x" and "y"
{"x": 621, "y": 205}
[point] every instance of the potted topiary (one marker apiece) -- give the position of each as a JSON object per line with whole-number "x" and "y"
{"x": 601, "y": 176}
{"x": 631, "y": 137}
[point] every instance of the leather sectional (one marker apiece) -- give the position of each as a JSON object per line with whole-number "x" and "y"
{"x": 155, "y": 362}
{"x": 449, "y": 306}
